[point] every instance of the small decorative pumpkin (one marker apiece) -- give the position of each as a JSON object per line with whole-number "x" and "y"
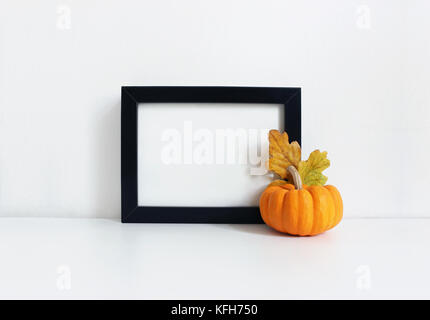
{"x": 301, "y": 210}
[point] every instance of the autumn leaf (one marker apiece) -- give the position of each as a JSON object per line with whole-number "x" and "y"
{"x": 311, "y": 169}
{"x": 282, "y": 154}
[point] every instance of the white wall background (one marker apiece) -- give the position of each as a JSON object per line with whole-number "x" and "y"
{"x": 363, "y": 66}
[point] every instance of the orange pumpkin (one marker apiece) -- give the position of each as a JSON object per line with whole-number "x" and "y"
{"x": 301, "y": 210}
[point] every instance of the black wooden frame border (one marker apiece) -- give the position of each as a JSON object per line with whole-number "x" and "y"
{"x": 132, "y": 96}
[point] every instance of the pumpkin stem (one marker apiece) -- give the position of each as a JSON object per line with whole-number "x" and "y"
{"x": 296, "y": 177}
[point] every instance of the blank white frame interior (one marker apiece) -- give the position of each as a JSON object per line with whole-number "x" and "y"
{"x": 204, "y": 154}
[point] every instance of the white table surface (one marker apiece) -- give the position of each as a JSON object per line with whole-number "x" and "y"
{"x": 96, "y": 258}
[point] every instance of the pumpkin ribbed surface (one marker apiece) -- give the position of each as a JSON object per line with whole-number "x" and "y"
{"x": 308, "y": 211}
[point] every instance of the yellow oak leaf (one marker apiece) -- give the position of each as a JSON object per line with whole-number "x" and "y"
{"x": 282, "y": 154}
{"x": 311, "y": 169}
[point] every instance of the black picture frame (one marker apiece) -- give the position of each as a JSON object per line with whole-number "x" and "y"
{"x": 131, "y": 97}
